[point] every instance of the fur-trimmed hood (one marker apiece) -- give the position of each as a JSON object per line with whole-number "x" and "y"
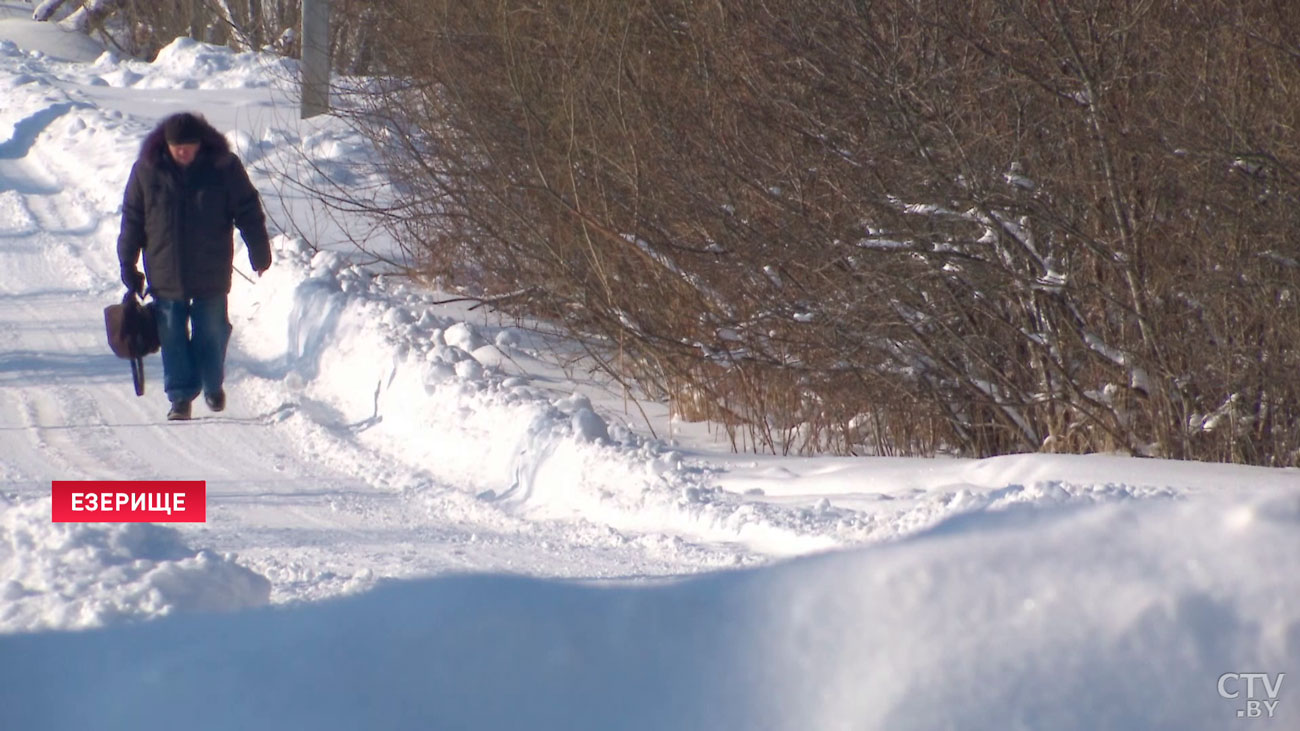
{"x": 212, "y": 144}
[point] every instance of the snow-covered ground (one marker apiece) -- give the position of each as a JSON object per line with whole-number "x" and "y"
{"x": 417, "y": 520}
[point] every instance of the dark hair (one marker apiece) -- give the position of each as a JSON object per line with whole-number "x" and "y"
{"x": 183, "y": 127}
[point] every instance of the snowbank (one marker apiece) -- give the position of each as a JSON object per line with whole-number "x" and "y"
{"x": 188, "y": 64}
{"x": 77, "y": 575}
{"x": 1115, "y": 617}
{"x": 452, "y": 397}
{"x": 469, "y": 404}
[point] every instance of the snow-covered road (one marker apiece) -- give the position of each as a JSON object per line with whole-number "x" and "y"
{"x": 292, "y": 488}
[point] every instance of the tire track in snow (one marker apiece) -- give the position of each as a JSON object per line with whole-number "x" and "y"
{"x": 50, "y": 216}
{"x": 60, "y": 214}
{"x": 35, "y": 414}
{"x": 72, "y": 427}
{"x": 28, "y": 129}
{"x": 34, "y": 255}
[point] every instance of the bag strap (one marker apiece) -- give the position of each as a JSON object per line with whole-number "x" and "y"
{"x": 137, "y": 375}
{"x": 130, "y": 293}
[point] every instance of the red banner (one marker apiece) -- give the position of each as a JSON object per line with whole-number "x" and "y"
{"x": 130, "y": 501}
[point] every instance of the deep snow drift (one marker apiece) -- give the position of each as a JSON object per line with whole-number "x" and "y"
{"x": 375, "y": 436}
{"x": 1114, "y": 617}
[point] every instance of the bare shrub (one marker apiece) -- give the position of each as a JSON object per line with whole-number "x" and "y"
{"x": 143, "y": 27}
{"x": 891, "y": 227}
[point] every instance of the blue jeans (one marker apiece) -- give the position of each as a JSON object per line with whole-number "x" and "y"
{"x": 194, "y": 334}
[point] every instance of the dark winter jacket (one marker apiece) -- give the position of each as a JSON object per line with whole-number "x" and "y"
{"x": 183, "y": 218}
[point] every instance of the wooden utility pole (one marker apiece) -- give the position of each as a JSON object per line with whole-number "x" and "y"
{"x": 315, "y": 57}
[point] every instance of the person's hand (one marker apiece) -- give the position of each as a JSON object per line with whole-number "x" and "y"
{"x": 133, "y": 280}
{"x": 261, "y": 271}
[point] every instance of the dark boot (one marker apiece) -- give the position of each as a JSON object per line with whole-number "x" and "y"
{"x": 180, "y": 411}
{"x": 215, "y": 401}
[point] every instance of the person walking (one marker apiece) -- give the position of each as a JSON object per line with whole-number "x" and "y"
{"x": 186, "y": 194}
